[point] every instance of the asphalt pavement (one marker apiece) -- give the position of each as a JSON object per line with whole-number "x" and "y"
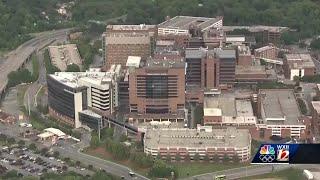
{"x": 18, "y": 56}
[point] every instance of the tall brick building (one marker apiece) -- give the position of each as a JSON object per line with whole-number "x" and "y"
{"x": 121, "y": 41}
{"x": 157, "y": 90}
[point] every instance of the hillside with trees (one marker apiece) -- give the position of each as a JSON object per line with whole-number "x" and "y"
{"x": 20, "y": 17}
{"x": 301, "y": 15}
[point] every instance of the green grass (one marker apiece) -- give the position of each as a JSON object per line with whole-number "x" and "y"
{"x": 196, "y": 168}
{"x": 35, "y": 67}
{"x": 288, "y": 174}
{"x": 21, "y": 90}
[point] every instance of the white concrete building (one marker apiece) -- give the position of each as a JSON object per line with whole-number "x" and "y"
{"x": 94, "y": 89}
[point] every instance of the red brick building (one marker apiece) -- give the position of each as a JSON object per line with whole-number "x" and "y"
{"x": 121, "y": 41}
{"x": 157, "y": 90}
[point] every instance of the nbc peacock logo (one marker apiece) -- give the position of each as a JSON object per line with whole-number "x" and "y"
{"x": 267, "y": 149}
{"x": 267, "y": 154}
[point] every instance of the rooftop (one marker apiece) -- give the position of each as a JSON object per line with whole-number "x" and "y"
{"x": 184, "y": 22}
{"x": 257, "y": 28}
{"x": 141, "y": 27}
{"x": 244, "y": 50}
{"x": 265, "y": 48}
{"x": 91, "y": 113}
{"x": 227, "y": 105}
{"x": 195, "y": 53}
{"x": 54, "y": 131}
{"x": 64, "y": 55}
{"x": 225, "y": 53}
{"x": 316, "y": 106}
{"x": 250, "y": 70}
{"x": 75, "y": 79}
{"x": 219, "y": 106}
{"x": 166, "y": 63}
{"x": 196, "y": 138}
{"x": 296, "y": 61}
{"x": 279, "y": 107}
{"x": 133, "y": 61}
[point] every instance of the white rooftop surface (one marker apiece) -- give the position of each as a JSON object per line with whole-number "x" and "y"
{"x": 45, "y": 135}
{"x": 91, "y": 113}
{"x": 74, "y": 79}
{"x": 131, "y": 27}
{"x": 55, "y": 131}
{"x": 193, "y": 138}
{"x": 230, "y": 39}
{"x": 64, "y": 55}
{"x": 264, "y": 48}
{"x": 133, "y": 61}
{"x": 184, "y": 22}
{"x": 279, "y": 107}
{"x": 219, "y": 106}
{"x": 227, "y": 105}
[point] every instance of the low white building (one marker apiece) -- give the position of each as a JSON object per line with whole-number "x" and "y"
{"x": 228, "y": 110}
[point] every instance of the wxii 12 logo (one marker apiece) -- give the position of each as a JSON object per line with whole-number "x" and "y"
{"x": 283, "y": 153}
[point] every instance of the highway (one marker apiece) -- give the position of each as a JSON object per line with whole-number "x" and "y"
{"x": 253, "y": 170}
{"x": 16, "y": 58}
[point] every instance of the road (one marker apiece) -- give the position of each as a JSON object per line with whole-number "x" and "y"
{"x": 252, "y": 171}
{"x": 16, "y": 58}
{"x": 35, "y": 87}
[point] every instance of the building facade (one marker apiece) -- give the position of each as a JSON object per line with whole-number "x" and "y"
{"x": 157, "y": 90}
{"x": 72, "y": 92}
{"x": 121, "y": 41}
{"x": 229, "y": 144}
{"x": 279, "y": 114}
{"x": 298, "y": 65}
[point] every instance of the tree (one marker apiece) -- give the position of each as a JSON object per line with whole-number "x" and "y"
{"x": 44, "y": 151}
{"x": 94, "y": 142}
{"x": 18, "y": 77}
{"x": 90, "y": 167}
{"x": 64, "y": 168}
{"x": 123, "y": 138}
{"x": 21, "y": 143}
{"x": 56, "y": 154}
{"x": 302, "y": 106}
{"x": 78, "y": 163}
{"x": 66, "y": 159}
{"x": 100, "y": 175}
{"x": 161, "y": 169}
{"x": 73, "y": 68}
{"x": 3, "y": 137}
{"x": 235, "y": 158}
{"x": 107, "y": 133}
{"x": 289, "y": 38}
{"x": 141, "y": 159}
{"x": 226, "y": 158}
{"x": 11, "y": 140}
{"x": 32, "y": 147}
{"x": 315, "y": 44}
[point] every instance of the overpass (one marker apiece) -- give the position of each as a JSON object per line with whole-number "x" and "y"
{"x": 124, "y": 125}
{"x": 17, "y": 58}
{"x": 272, "y": 61}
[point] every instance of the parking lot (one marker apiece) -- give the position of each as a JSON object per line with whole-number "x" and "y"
{"x": 28, "y": 163}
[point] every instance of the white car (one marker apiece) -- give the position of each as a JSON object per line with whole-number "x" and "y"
{"x": 82, "y": 169}
{"x": 51, "y": 158}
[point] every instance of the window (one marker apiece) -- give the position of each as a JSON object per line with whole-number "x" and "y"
{"x": 157, "y": 87}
